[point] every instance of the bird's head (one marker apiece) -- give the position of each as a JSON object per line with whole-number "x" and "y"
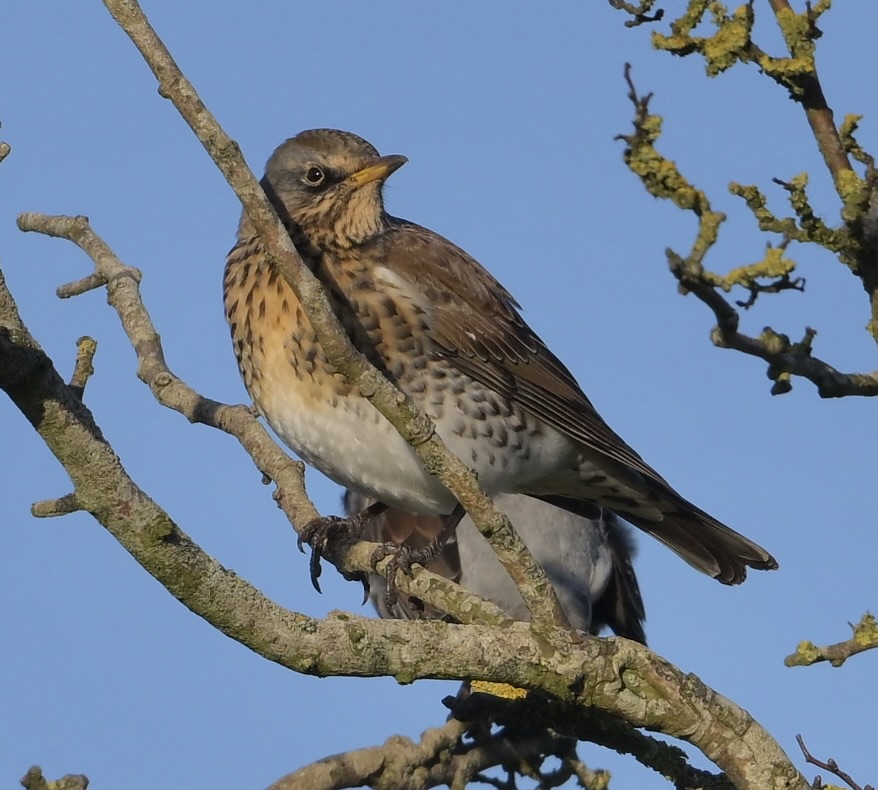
{"x": 328, "y": 184}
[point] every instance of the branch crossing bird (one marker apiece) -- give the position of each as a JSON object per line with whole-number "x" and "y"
{"x": 439, "y": 326}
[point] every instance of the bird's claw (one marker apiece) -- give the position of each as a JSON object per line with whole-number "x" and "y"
{"x": 402, "y": 558}
{"x": 320, "y": 531}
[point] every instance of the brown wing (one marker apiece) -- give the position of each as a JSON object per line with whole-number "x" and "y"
{"x": 475, "y": 319}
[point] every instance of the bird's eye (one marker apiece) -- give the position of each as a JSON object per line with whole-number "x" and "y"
{"x": 314, "y": 176}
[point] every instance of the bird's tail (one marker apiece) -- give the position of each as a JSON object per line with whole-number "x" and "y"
{"x": 705, "y": 543}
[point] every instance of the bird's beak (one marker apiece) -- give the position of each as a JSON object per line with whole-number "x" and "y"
{"x": 378, "y": 171}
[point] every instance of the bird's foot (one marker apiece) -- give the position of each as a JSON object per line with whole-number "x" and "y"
{"x": 402, "y": 558}
{"x": 319, "y": 532}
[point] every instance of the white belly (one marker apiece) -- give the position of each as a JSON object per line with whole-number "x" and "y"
{"x": 351, "y": 443}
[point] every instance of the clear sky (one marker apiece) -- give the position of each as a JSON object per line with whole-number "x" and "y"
{"x": 507, "y": 112}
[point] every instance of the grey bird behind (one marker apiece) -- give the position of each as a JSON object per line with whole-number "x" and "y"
{"x": 587, "y": 561}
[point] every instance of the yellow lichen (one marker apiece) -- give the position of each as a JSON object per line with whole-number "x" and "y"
{"x": 502, "y": 690}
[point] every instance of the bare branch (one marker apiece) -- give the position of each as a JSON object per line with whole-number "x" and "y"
{"x": 398, "y": 763}
{"x": 452, "y": 755}
{"x": 865, "y": 638}
{"x": 86, "y": 348}
{"x": 612, "y": 674}
{"x": 785, "y": 358}
{"x": 50, "y": 508}
{"x": 398, "y": 409}
{"x": 594, "y": 726}
{"x": 123, "y": 293}
{"x": 86, "y": 284}
{"x": 831, "y": 766}
{"x": 639, "y": 12}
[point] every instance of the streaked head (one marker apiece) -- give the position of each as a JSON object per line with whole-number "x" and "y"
{"x": 328, "y": 183}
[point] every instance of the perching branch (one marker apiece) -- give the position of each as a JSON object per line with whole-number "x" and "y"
{"x": 123, "y": 294}
{"x": 615, "y": 675}
{"x": 397, "y": 408}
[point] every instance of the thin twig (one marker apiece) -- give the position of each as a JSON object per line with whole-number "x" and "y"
{"x": 83, "y": 369}
{"x": 62, "y": 506}
{"x": 123, "y": 293}
{"x": 86, "y": 284}
{"x": 830, "y": 765}
{"x": 865, "y": 638}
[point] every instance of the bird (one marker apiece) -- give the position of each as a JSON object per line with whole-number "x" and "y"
{"x": 587, "y": 561}
{"x": 449, "y": 335}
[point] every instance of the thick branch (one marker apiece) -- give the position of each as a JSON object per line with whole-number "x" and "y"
{"x": 123, "y": 294}
{"x": 612, "y": 674}
{"x": 398, "y": 409}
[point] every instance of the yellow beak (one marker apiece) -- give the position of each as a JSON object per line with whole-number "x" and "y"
{"x": 378, "y": 171}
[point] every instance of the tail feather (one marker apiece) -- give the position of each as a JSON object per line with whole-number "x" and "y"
{"x": 697, "y": 537}
{"x": 706, "y": 544}
{"x": 621, "y": 605}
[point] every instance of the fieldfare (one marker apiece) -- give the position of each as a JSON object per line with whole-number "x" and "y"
{"x": 443, "y": 330}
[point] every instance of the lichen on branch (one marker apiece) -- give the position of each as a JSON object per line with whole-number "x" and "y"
{"x": 663, "y": 179}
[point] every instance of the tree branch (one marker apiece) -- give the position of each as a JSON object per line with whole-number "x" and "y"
{"x": 616, "y": 675}
{"x": 83, "y": 369}
{"x": 865, "y": 638}
{"x": 34, "y": 780}
{"x": 785, "y": 358}
{"x": 452, "y": 755}
{"x": 831, "y": 766}
{"x": 398, "y": 409}
{"x": 123, "y": 294}
{"x": 800, "y": 32}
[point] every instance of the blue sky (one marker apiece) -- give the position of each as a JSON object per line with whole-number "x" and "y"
{"x": 507, "y": 112}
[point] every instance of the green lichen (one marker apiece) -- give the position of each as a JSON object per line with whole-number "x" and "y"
{"x": 808, "y": 652}
{"x": 774, "y": 265}
{"x": 766, "y": 220}
{"x": 866, "y": 631}
{"x": 854, "y": 193}
{"x": 730, "y": 43}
